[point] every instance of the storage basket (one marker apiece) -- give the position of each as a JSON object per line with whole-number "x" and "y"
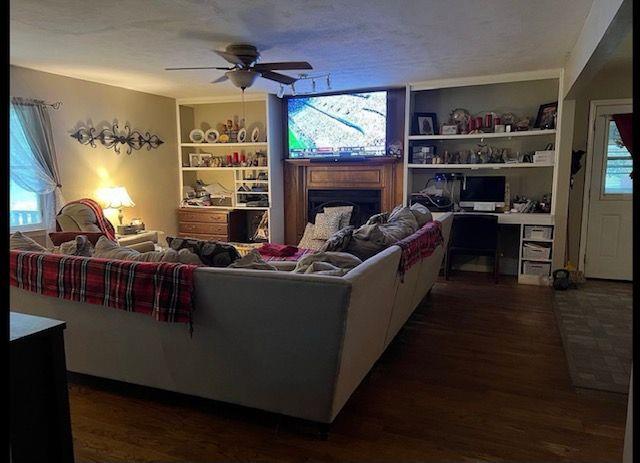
{"x": 536, "y": 268}
{"x": 536, "y": 251}
{"x": 538, "y": 232}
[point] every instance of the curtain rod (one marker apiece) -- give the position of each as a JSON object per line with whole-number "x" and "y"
{"x": 31, "y": 101}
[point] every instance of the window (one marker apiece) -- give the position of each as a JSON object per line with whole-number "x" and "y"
{"x": 25, "y": 207}
{"x": 618, "y": 165}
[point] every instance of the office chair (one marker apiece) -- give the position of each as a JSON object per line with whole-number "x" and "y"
{"x": 473, "y": 235}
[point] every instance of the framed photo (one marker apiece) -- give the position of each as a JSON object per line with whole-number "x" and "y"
{"x": 449, "y": 129}
{"x": 547, "y": 116}
{"x": 194, "y": 160}
{"x": 425, "y": 123}
{"x": 422, "y": 154}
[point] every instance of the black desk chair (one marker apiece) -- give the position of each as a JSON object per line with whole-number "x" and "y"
{"x": 473, "y": 235}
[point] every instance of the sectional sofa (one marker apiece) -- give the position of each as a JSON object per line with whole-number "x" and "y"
{"x": 293, "y": 344}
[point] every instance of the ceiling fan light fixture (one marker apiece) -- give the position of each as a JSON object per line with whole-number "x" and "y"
{"x": 242, "y": 78}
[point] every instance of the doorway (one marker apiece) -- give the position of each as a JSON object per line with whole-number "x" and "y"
{"x": 606, "y": 238}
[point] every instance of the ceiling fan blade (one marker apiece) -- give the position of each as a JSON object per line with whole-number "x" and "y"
{"x": 197, "y": 67}
{"x": 282, "y": 66}
{"x": 220, "y": 79}
{"x": 229, "y": 57}
{"x": 286, "y": 80}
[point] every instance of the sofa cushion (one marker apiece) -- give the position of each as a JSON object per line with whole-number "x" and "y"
{"x": 77, "y": 217}
{"x": 326, "y": 225}
{"x": 21, "y": 242}
{"x": 211, "y": 253}
{"x": 421, "y": 213}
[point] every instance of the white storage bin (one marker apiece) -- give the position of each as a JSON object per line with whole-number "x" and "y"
{"x": 538, "y": 232}
{"x": 536, "y": 251}
{"x": 536, "y": 268}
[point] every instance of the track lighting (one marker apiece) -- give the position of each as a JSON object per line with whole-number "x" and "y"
{"x": 328, "y": 81}
{"x": 293, "y": 89}
{"x": 280, "y": 91}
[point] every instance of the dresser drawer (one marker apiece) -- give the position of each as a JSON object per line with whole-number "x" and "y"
{"x": 202, "y": 216}
{"x": 199, "y": 236}
{"x": 205, "y": 228}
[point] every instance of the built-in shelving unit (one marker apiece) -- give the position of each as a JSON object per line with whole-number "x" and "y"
{"x": 260, "y": 111}
{"x": 518, "y": 93}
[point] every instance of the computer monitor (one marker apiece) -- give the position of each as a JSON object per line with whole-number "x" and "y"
{"x": 482, "y": 190}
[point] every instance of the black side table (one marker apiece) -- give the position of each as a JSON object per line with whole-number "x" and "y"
{"x": 40, "y": 425}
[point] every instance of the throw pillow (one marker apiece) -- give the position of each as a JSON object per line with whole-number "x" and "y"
{"x": 345, "y": 214}
{"x": 326, "y": 225}
{"x": 62, "y": 237}
{"x": 308, "y": 241}
{"x": 421, "y": 214}
{"x": 21, "y": 242}
{"x": 339, "y": 240}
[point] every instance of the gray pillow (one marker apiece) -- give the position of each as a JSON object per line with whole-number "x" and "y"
{"x": 345, "y": 214}
{"x": 339, "y": 240}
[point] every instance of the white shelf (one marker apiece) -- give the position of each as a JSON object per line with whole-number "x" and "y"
{"x": 524, "y": 133}
{"x": 252, "y": 192}
{"x": 220, "y": 145}
{"x": 511, "y": 165}
{"x": 240, "y": 181}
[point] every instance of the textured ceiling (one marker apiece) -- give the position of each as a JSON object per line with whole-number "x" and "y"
{"x": 127, "y": 43}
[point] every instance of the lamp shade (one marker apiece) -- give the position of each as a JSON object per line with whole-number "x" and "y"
{"x": 115, "y": 197}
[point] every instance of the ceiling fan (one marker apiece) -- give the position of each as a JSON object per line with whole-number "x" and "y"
{"x": 246, "y": 68}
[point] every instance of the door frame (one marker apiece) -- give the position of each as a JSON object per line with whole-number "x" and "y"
{"x": 586, "y": 192}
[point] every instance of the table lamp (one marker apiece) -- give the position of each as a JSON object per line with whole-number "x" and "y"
{"x": 116, "y": 197}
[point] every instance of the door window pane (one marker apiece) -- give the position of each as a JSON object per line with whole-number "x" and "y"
{"x": 618, "y": 165}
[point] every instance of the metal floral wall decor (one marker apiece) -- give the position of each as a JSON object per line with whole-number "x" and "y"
{"x": 113, "y": 137}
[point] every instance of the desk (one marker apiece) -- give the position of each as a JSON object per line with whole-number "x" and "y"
{"x": 40, "y": 422}
{"x": 516, "y": 218}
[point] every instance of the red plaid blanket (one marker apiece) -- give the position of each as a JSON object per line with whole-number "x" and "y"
{"x": 299, "y": 254}
{"x": 160, "y": 289}
{"x": 419, "y": 245}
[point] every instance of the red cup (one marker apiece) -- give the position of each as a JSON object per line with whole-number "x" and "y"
{"x": 487, "y": 120}
{"x": 478, "y": 122}
{"x": 235, "y": 158}
{"x": 472, "y": 124}
{"x": 228, "y": 159}
{"x": 243, "y": 158}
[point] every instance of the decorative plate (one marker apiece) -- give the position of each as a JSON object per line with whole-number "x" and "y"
{"x": 196, "y": 136}
{"x": 211, "y": 136}
{"x": 255, "y": 134}
{"x": 242, "y": 135}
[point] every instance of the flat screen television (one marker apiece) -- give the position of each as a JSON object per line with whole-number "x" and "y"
{"x": 346, "y": 125}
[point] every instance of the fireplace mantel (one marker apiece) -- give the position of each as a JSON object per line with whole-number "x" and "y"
{"x": 302, "y": 175}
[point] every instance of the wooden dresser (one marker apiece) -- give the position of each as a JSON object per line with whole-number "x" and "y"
{"x": 210, "y": 224}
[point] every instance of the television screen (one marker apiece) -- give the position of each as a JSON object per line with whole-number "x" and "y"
{"x": 353, "y": 124}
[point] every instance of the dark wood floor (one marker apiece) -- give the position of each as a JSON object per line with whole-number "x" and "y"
{"x": 477, "y": 374}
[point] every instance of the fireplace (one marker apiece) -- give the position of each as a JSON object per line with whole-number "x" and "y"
{"x": 374, "y": 186}
{"x": 365, "y": 203}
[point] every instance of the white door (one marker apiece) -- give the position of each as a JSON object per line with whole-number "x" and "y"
{"x": 608, "y": 252}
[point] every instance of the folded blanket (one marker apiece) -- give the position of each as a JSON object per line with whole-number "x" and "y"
{"x": 327, "y": 263}
{"x": 252, "y": 260}
{"x": 277, "y": 250}
{"x": 299, "y": 254}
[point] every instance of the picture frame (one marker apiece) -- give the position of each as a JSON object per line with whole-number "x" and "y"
{"x": 425, "y": 123}
{"x": 194, "y": 160}
{"x": 422, "y": 154}
{"x": 546, "y": 118}
{"x": 449, "y": 129}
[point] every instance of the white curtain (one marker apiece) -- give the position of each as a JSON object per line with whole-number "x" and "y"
{"x": 33, "y": 162}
